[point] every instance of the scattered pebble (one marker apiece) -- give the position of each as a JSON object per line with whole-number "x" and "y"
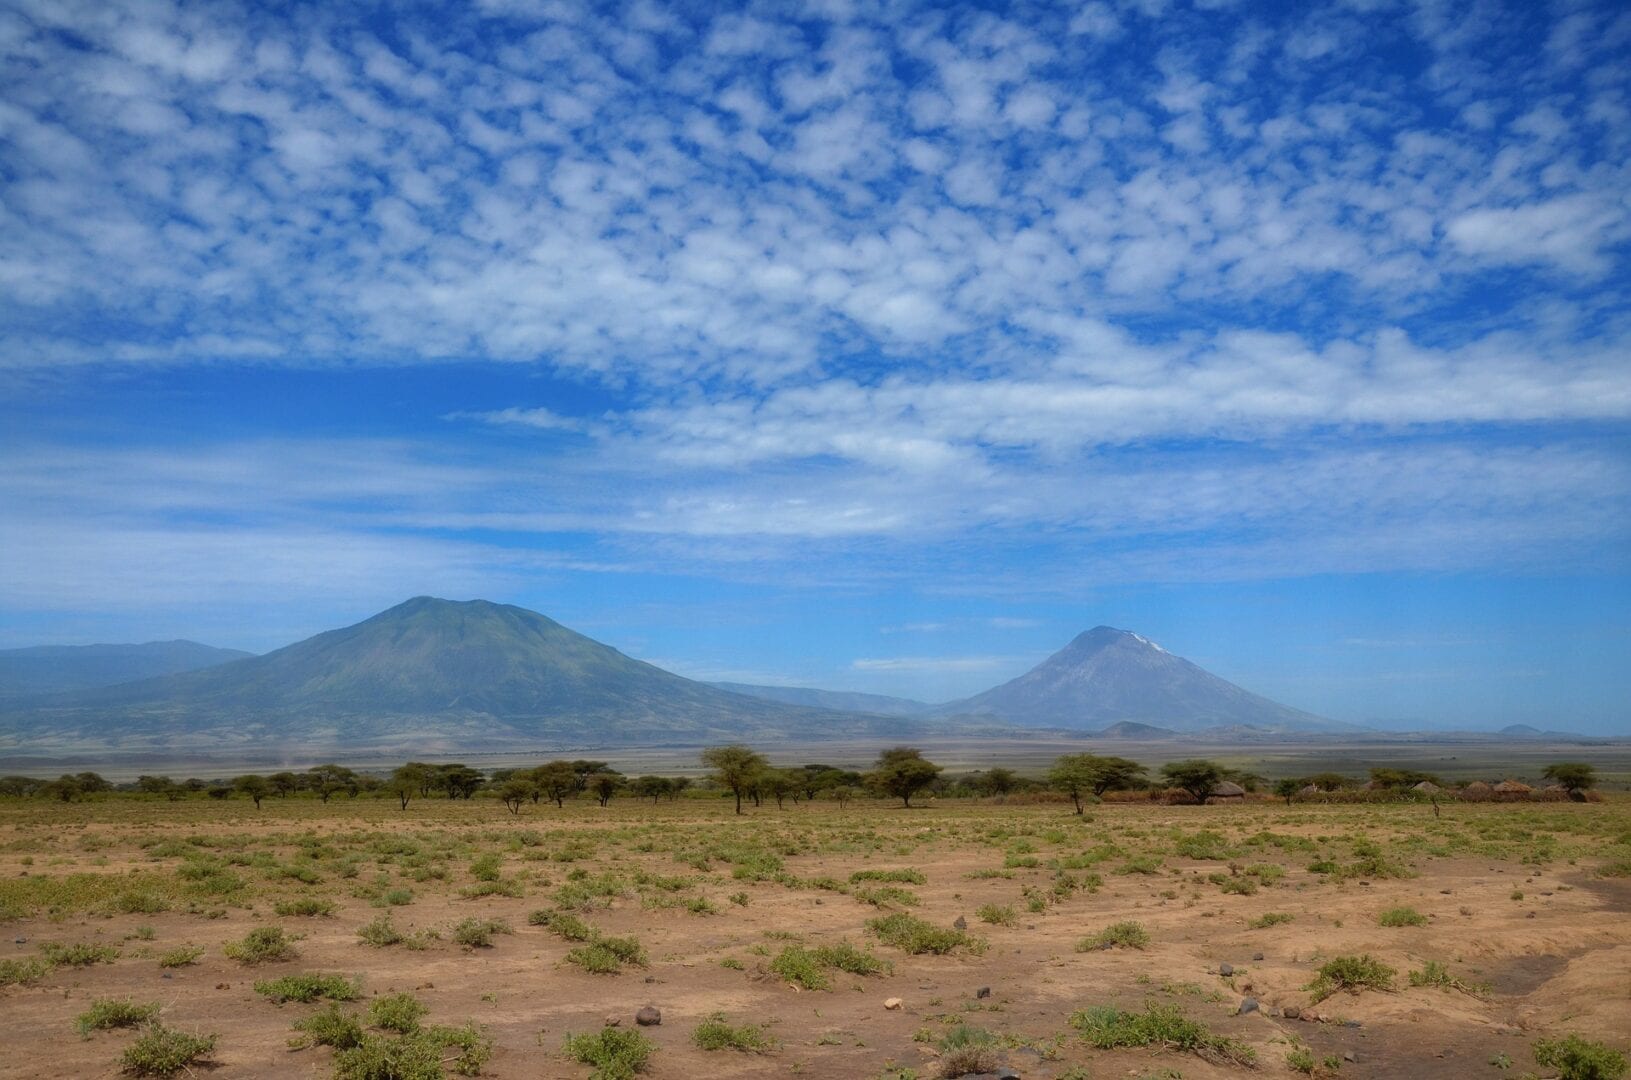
{"x": 1226, "y": 970}
{"x": 1247, "y": 1005}
{"x": 649, "y": 1016}
{"x": 892, "y": 1004}
{"x": 983, "y": 992}
{"x": 959, "y": 923}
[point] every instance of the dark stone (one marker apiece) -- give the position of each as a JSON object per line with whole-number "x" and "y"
{"x": 1350, "y": 1057}
{"x": 960, "y": 923}
{"x": 983, "y": 992}
{"x": 650, "y": 1016}
{"x": 1257, "y": 956}
{"x": 1226, "y": 970}
{"x": 166, "y": 975}
{"x": 1246, "y": 1005}
{"x": 1291, "y": 1012}
{"x": 1350, "y": 1023}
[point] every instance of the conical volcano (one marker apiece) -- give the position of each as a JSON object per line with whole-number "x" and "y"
{"x": 1107, "y": 676}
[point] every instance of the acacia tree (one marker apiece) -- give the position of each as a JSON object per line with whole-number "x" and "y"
{"x": 516, "y": 791}
{"x": 1197, "y": 776}
{"x": 1287, "y": 788}
{"x": 1573, "y": 775}
{"x": 653, "y": 786}
{"x": 1080, "y": 774}
{"x": 734, "y": 767}
{"x": 605, "y": 784}
{"x": 556, "y": 780}
{"x": 327, "y": 779}
{"x": 778, "y": 784}
{"x": 999, "y": 782}
{"x": 902, "y": 771}
{"x": 255, "y": 786}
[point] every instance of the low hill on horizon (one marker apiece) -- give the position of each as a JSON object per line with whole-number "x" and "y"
{"x": 55, "y": 669}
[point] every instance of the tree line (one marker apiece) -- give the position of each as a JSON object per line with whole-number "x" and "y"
{"x": 747, "y": 775}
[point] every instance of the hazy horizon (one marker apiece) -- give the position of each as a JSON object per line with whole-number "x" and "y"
{"x": 817, "y": 346}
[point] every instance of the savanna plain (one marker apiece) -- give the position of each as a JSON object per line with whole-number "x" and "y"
{"x": 354, "y": 938}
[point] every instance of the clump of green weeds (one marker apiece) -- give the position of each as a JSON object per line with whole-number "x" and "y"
{"x": 1162, "y": 1026}
{"x": 1126, "y": 935}
{"x": 715, "y": 1033}
{"x": 615, "y": 1053}
{"x": 106, "y": 1013}
{"x": 309, "y": 987}
{"x": 164, "y": 1051}
{"x": 1353, "y": 973}
{"x": 262, "y": 945}
{"x": 913, "y": 935}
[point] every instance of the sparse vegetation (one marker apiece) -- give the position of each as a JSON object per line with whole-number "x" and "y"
{"x": 106, "y": 1013}
{"x": 1352, "y": 973}
{"x": 715, "y": 1033}
{"x": 615, "y": 1053}
{"x": 164, "y": 1051}
{"x": 1126, "y": 935}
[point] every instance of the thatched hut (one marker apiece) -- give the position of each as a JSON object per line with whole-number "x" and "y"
{"x": 1513, "y": 789}
{"x": 1477, "y": 791}
{"x": 1226, "y": 792}
{"x": 1427, "y": 787}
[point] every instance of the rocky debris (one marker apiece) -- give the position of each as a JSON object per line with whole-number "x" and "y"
{"x": 959, "y": 923}
{"x": 1226, "y": 970}
{"x": 1247, "y": 1005}
{"x": 893, "y": 1004}
{"x": 983, "y": 992}
{"x": 649, "y": 1016}
{"x": 1350, "y": 1057}
{"x": 611, "y": 1021}
{"x": 1291, "y": 1012}
{"x": 1257, "y": 956}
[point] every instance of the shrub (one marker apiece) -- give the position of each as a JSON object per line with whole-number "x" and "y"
{"x": 417, "y": 1055}
{"x": 475, "y": 933}
{"x": 1270, "y": 918}
{"x": 397, "y": 1012}
{"x": 615, "y": 1053}
{"x": 330, "y": 1027}
{"x": 1402, "y": 916}
{"x": 262, "y": 945}
{"x": 181, "y": 956}
{"x": 904, "y": 877}
{"x": 1164, "y": 1026}
{"x": 108, "y": 1013}
{"x": 966, "y": 1050}
{"x": 309, "y": 987}
{"x": 884, "y": 895}
{"x": 1434, "y": 973}
{"x": 1580, "y": 1059}
{"x": 715, "y": 1034}
{"x": 997, "y": 914}
{"x": 1353, "y": 973}
{"x": 1127, "y": 935}
{"x": 27, "y": 970}
{"x": 914, "y": 935}
{"x": 304, "y": 907}
{"x": 563, "y": 924}
{"x": 848, "y": 958}
{"x": 380, "y": 932}
{"x": 801, "y": 967}
{"x": 163, "y": 1051}
{"x": 79, "y": 954}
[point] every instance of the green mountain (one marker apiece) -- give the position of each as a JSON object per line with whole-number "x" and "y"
{"x": 430, "y": 675}
{"x": 54, "y": 669}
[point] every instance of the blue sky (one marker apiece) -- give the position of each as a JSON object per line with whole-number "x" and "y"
{"x": 880, "y": 347}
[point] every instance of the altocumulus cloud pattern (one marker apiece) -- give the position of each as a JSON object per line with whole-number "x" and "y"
{"x": 1217, "y": 286}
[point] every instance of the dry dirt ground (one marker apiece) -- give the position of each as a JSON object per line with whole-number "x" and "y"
{"x": 1514, "y": 907}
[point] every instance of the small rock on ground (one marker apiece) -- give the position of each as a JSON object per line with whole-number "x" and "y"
{"x": 650, "y": 1016}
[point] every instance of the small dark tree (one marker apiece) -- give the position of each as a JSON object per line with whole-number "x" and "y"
{"x": 330, "y": 778}
{"x": 999, "y": 782}
{"x": 1329, "y": 781}
{"x": 1196, "y": 776}
{"x": 652, "y": 787}
{"x": 902, "y": 772}
{"x": 605, "y": 784}
{"x": 778, "y": 784}
{"x": 284, "y": 783}
{"x": 583, "y": 769}
{"x": 677, "y": 786}
{"x": 1287, "y": 789}
{"x": 458, "y": 781}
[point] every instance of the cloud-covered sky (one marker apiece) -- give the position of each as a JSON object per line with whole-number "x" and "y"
{"x": 880, "y": 346}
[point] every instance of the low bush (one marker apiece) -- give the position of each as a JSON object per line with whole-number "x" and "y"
{"x": 262, "y": 945}
{"x": 329, "y": 1027}
{"x": 913, "y": 935}
{"x": 164, "y": 1051}
{"x": 397, "y": 1012}
{"x": 106, "y": 1013}
{"x": 715, "y": 1034}
{"x": 1354, "y": 973}
{"x": 79, "y": 954}
{"x": 476, "y": 933}
{"x": 1402, "y": 916}
{"x": 1162, "y": 1026}
{"x": 615, "y": 1053}
{"x": 304, "y": 907}
{"x": 308, "y": 988}
{"x": 1575, "y": 1058}
{"x": 1127, "y": 935}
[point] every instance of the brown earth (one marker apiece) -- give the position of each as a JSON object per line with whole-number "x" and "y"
{"x": 1556, "y": 960}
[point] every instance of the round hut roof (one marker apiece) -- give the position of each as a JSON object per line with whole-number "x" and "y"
{"x": 1513, "y": 787}
{"x": 1227, "y": 789}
